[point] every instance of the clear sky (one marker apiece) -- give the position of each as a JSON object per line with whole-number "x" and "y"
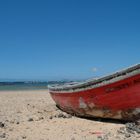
{"x": 73, "y": 39}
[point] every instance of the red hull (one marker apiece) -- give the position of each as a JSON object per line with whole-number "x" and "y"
{"x": 118, "y": 100}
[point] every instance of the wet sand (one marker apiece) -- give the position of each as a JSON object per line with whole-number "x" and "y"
{"x": 32, "y": 115}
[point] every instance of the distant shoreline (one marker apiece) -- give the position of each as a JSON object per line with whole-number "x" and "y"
{"x": 25, "y": 90}
{"x": 21, "y": 87}
{"x": 27, "y": 85}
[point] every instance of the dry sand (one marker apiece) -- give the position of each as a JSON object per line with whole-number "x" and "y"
{"x": 32, "y": 115}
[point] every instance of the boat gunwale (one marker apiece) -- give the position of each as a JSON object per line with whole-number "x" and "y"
{"x": 94, "y": 83}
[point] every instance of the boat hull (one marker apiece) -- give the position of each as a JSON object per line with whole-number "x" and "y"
{"x": 118, "y": 100}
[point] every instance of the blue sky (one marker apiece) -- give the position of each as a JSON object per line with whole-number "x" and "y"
{"x": 67, "y": 39}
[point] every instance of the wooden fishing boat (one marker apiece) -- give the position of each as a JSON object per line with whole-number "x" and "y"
{"x": 116, "y": 96}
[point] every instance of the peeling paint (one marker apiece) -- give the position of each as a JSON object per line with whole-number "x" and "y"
{"x": 120, "y": 99}
{"x": 82, "y": 104}
{"x": 136, "y": 111}
{"x": 104, "y": 113}
{"x": 91, "y": 105}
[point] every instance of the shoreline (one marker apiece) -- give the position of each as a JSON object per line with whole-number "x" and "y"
{"x": 19, "y": 90}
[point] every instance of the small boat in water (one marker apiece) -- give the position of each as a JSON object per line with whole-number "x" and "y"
{"x": 116, "y": 96}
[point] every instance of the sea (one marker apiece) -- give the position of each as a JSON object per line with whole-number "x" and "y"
{"x": 27, "y": 85}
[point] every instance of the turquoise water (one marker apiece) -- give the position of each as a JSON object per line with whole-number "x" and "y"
{"x": 28, "y": 85}
{"x": 37, "y": 86}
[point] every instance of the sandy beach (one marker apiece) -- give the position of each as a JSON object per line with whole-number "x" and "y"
{"x": 32, "y": 115}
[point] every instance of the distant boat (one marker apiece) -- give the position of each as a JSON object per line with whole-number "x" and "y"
{"x": 116, "y": 96}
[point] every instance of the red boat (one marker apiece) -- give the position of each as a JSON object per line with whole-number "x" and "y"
{"x": 116, "y": 96}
